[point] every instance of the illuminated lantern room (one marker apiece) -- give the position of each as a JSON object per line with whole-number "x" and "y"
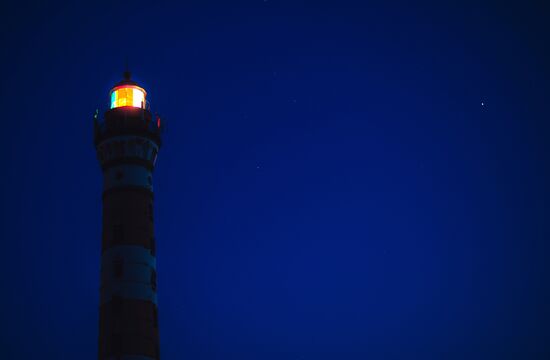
{"x": 127, "y": 93}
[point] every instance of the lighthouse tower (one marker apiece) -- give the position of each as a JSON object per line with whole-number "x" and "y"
{"x": 127, "y": 141}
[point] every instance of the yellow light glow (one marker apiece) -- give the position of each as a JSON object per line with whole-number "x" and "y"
{"x": 128, "y": 95}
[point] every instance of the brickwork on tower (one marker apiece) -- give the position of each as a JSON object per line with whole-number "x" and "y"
{"x": 127, "y": 143}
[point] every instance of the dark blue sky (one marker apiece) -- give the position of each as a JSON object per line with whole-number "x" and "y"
{"x": 330, "y": 184}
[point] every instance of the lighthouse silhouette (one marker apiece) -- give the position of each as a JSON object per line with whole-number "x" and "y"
{"x": 127, "y": 141}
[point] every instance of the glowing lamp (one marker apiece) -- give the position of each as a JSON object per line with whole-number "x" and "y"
{"x": 128, "y": 95}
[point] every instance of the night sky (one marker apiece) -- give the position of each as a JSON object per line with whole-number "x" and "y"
{"x": 338, "y": 180}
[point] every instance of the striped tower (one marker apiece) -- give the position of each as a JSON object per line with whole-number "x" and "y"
{"x": 127, "y": 143}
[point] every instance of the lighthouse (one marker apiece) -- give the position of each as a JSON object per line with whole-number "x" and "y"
{"x": 127, "y": 141}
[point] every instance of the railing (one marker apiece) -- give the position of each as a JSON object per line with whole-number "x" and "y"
{"x": 151, "y": 124}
